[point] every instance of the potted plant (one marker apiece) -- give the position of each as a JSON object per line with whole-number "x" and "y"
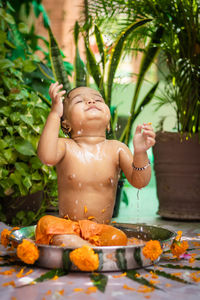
{"x": 176, "y": 154}
{"x": 25, "y": 184}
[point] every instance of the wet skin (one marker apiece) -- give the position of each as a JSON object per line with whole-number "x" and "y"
{"x": 88, "y": 165}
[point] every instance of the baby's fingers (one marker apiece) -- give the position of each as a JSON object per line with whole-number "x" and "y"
{"x": 150, "y": 142}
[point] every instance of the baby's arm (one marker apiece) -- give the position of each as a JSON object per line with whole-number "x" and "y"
{"x": 144, "y": 138}
{"x": 51, "y": 149}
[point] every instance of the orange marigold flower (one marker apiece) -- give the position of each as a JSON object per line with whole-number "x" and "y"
{"x": 4, "y": 237}
{"x": 179, "y": 235}
{"x": 49, "y": 292}
{"x": 120, "y": 275}
{"x": 61, "y": 292}
{"x": 28, "y": 252}
{"x": 178, "y": 248}
{"x": 126, "y": 287}
{"x": 91, "y": 289}
{"x": 152, "y": 250}
{"x": 78, "y": 290}
{"x": 8, "y": 272}
{"x": 85, "y": 258}
{"x": 9, "y": 283}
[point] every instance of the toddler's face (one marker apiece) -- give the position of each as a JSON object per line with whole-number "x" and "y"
{"x": 85, "y": 104}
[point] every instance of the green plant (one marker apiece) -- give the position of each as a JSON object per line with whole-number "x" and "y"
{"x": 22, "y": 116}
{"x": 103, "y": 71}
{"x": 180, "y": 46}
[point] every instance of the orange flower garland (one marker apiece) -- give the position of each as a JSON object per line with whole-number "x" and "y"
{"x": 152, "y": 250}
{"x": 28, "y": 252}
{"x": 85, "y": 258}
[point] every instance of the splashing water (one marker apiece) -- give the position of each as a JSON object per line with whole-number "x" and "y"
{"x": 138, "y": 212}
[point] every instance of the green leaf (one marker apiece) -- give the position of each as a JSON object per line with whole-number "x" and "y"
{"x": 94, "y": 68}
{"x": 116, "y": 54}
{"x": 27, "y": 119}
{"x": 27, "y": 182}
{"x": 66, "y": 260}
{"x": 59, "y": 71}
{"x": 22, "y": 168}
{"x": 125, "y": 197}
{"x": 36, "y": 176}
{"x": 99, "y": 280}
{"x": 137, "y": 256}
{"x": 7, "y": 17}
{"x": 23, "y": 28}
{"x": 3, "y": 144}
{"x": 80, "y": 69}
{"x": 10, "y": 155}
{"x": 5, "y": 110}
{"x": 121, "y": 260}
{"x": 168, "y": 275}
{"x": 100, "y": 44}
{"x": 5, "y": 64}
{"x": 147, "y": 60}
{"x": 132, "y": 274}
{"x": 2, "y": 37}
{"x": 146, "y": 99}
{"x": 16, "y": 178}
{"x": 29, "y": 66}
{"x": 50, "y": 274}
{"x": 180, "y": 267}
{"x": 46, "y": 71}
{"x": 35, "y": 162}
{"x": 24, "y": 147}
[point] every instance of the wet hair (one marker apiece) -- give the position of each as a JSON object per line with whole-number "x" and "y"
{"x": 64, "y": 130}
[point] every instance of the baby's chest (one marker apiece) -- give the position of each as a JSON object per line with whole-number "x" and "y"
{"x": 91, "y": 169}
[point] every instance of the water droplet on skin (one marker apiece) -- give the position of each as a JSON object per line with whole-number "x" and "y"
{"x": 80, "y": 184}
{"x": 73, "y": 175}
{"x": 101, "y": 184}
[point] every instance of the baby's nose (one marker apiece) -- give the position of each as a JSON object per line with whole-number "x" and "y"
{"x": 90, "y": 101}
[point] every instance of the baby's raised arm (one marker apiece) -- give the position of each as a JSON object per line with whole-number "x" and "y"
{"x": 51, "y": 149}
{"x": 137, "y": 167}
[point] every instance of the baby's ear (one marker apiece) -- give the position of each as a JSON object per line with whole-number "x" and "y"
{"x": 65, "y": 125}
{"x": 108, "y": 127}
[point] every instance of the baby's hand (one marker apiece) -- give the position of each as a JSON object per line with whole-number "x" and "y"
{"x": 144, "y": 138}
{"x": 56, "y": 97}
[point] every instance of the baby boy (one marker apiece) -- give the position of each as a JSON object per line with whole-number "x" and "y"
{"x": 88, "y": 165}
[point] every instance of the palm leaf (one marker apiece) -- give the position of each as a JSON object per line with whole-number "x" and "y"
{"x": 80, "y": 69}
{"x": 116, "y": 54}
{"x": 146, "y": 62}
{"x": 94, "y": 68}
{"x": 100, "y": 44}
{"x": 57, "y": 65}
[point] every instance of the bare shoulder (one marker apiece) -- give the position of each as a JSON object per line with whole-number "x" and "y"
{"x": 118, "y": 145}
